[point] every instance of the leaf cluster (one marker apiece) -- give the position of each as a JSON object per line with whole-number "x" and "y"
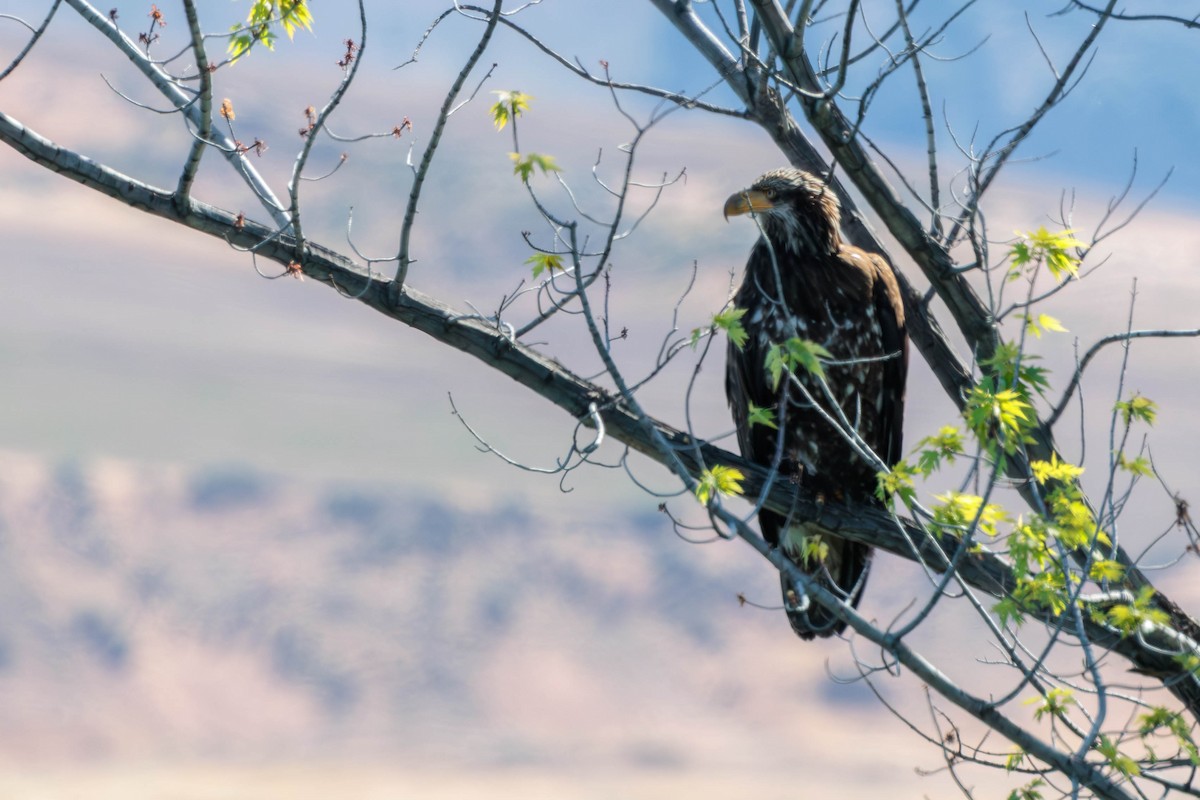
{"x": 931, "y": 453}
{"x": 1173, "y": 723}
{"x": 718, "y": 480}
{"x": 1139, "y": 408}
{"x": 1001, "y": 420}
{"x": 259, "y": 25}
{"x": 1118, "y": 760}
{"x": 1056, "y": 250}
{"x": 1029, "y": 791}
{"x": 1129, "y": 618}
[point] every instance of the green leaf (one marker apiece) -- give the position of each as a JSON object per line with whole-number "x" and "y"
{"x": 1128, "y": 618}
{"x": 945, "y": 445}
{"x": 1010, "y": 368}
{"x": 1046, "y": 590}
{"x": 730, "y": 321}
{"x": 1106, "y": 570}
{"x": 1055, "y": 250}
{"x": 525, "y": 165}
{"x": 1054, "y": 470}
{"x": 1121, "y": 763}
{"x": 761, "y": 416}
{"x": 1010, "y": 612}
{"x": 1054, "y": 702}
{"x": 545, "y": 262}
{"x": 719, "y": 480}
{"x": 807, "y": 355}
{"x": 1139, "y": 408}
{"x": 774, "y": 364}
{"x": 1020, "y": 254}
{"x": 896, "y": 481}
{"x": 997, "y": 417}
{"x": 814, "y": 550}
{"x": 1051, "y": 324}
{"x": 1014, "y": 760}
{"x": 508, "y": 106}
{"x": 1189, "y": 662}
{"x": 1160, "y": 717}
{"x": 258, "y": 27}
{"x": 1029, "y": 791}
{"x": 958, "y": 511}
{"x": 1157, "y": 717}
{"x": 793, "y": 355}
{"x": 1139, "y": 465}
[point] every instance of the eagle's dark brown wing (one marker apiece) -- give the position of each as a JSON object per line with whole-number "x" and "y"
{"x": 889, "y": 307}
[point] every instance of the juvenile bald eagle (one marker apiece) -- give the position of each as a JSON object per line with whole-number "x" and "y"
{"x": 803, "y": 282}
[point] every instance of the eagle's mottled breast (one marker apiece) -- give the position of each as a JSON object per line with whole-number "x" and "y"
{"x": 828, "y": 302}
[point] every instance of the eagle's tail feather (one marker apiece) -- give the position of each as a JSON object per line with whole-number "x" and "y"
{"x": 844, "y": 573}
{"x": 836, "y": 564}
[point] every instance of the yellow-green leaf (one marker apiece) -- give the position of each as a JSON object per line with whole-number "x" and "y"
{"x": 760, "y": 416}
{"x": 508, "y": 106}
{"x": 1139, "y": 465}
{"x": 1138, "y": 407}
{"x": 719, "y": 480}
{"x": 524, "y": 165}
{"x": 545, "y": 262}
{"x": 1054, "y": 702}
{"x": 1051, "y": 323}
{"x": 793, "y": 355}
{"x": 896, "y": 481}
{"x": 814, "y": 550}
{"x": 1054, "y": 470}
{"x": 730, "y": 321}
{"x": 1029, "y": 791}
{"x": 1106, "y": 570}
{"x": 1055, "y": 250}
{"x": 1120, "y": 762}
{"x": 259, "y": 25}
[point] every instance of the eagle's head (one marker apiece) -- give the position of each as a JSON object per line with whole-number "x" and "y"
{"x": 798, "y": 211}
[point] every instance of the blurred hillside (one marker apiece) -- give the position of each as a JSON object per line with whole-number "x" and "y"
{"x": 229, "y": 614}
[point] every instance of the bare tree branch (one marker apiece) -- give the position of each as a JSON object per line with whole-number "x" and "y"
{"x": 410, "y": 212}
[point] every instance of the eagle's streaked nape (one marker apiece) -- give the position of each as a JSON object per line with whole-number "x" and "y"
{"x": 803, "y": 281}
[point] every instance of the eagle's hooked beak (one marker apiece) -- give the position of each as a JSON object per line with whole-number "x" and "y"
{"x": 746, "y": 201}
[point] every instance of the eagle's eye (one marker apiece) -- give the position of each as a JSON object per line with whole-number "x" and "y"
{"x": 770, "y": 193}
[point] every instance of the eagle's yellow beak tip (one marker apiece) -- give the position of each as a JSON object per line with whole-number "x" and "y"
{"x": 734, "y": 206}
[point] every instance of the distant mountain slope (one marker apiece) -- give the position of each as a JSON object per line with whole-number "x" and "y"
{"x": 155, "y": 612}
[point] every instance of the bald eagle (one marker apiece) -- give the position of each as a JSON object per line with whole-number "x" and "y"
{"x": 803, "y": 282}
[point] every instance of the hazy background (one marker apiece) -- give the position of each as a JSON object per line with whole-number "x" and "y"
{"x": 249, "y": 552}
